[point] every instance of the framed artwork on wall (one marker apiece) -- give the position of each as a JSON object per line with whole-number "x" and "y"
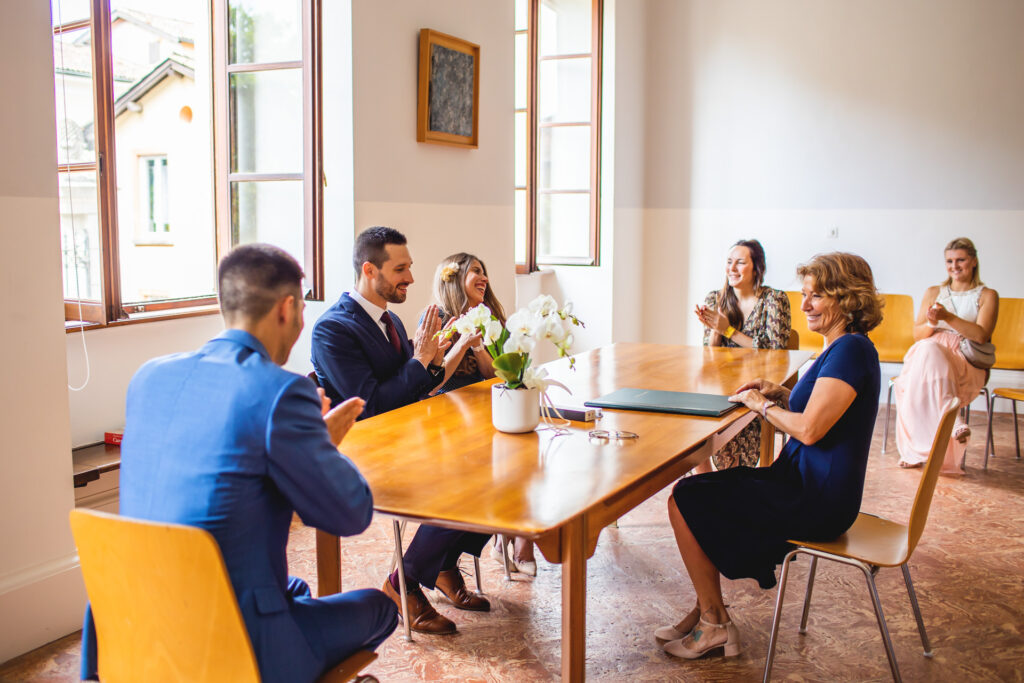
{"x": 449, "y": 90}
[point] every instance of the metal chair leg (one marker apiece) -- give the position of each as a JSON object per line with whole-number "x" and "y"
{"x": 778, "y": 615}
{"x": 888, "y": 408}
{"x": 917, "y": 609}
{"x": 476, "y": 569}
{"x": 401, "y": 580}
{"x": 889, "y": 652}
{"x": 397, "y": 554}
{"x": 503, "y": 540}
{"x": 990, "y": 446}
{"x": 1016, "y": 428}
{"x": 807, "y": 595}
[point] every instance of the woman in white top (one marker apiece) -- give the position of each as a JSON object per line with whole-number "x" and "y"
{"x": 935, "y": 369}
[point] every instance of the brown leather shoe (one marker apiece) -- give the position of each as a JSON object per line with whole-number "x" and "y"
{"x": 423, "y": 618}
{"x": 450, "y": 583}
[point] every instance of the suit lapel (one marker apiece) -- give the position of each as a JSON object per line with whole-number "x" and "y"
{"x": 372, "y": 329}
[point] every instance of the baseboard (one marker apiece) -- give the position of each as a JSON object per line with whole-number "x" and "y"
{"x": 40, "y": 605}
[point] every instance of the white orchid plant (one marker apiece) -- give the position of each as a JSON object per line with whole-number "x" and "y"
{"x": 510, "y": 346}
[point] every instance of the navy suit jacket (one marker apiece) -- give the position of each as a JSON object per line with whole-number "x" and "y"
{"x": 352, "y": 357}
{"x": 224, "y": 439}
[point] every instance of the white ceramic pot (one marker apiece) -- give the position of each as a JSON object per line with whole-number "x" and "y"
{"x": 514, "y": 410}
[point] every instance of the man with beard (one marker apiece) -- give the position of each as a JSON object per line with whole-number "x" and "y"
{"x": 360, "y": 349}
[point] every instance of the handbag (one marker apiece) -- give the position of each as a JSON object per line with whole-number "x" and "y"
{"x": 981, "y": 356}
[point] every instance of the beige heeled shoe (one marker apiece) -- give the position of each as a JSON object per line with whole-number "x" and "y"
{"x": 666, "y": 634}
{"x": 707, "y": 638}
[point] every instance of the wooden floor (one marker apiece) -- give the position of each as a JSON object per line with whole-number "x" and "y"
{"x": 968, "y": 570}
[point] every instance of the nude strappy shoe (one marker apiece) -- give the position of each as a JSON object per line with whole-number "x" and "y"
{"x": 707, "y": 638}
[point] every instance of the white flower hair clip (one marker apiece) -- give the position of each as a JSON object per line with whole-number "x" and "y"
{"x": 448, "y": 272}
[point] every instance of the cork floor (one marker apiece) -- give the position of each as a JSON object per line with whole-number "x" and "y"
{"x": 968, "y": 571}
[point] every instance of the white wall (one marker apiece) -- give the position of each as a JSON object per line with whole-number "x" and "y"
{"x": 445, "y": 199}
{"x": 41, "y": 592}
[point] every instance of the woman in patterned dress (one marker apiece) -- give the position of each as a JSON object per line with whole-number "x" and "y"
{"x": 744, "y": 313}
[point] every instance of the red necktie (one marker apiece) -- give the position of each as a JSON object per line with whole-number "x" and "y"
{"x": 389, "y": 324}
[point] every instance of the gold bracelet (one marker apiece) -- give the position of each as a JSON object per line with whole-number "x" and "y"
{"x": 729, "y": 331}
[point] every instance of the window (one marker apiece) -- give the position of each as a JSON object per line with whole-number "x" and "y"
{"x": 153, "y": 184}
{"x": 557, "y": 136}
{"x": 269, "y": 74}
{"x": 152, "y": 99}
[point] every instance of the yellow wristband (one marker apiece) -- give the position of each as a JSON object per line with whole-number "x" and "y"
{"x": 729, "y": 331}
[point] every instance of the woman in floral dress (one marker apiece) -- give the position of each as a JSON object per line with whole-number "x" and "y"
{"x": 744, "y": 313}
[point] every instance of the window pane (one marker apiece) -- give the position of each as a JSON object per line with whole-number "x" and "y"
{"x": 565, "y": 27}
{"x": 264, "y": 31}
{"x": 520, "y": 142}
{"x": 266, "y": 121}
{"x": 520, "y": 223}
{"x": 563, "y": 227}
{"x": 269, "y": 211}
{"x": 72, "y": 64}
{"x": 163, "y": 138}
{"x": 522, "y": 14}
{"x": 68, "y": 11}
{"x": 79, "y": 235}
{"x": 563, "y": 158}
{"x": 563, "y": 89}
{"x": 522, "y": 67}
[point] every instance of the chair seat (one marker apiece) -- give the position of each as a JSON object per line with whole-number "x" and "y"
{"x": 871, "y": 539}
{"x": 1012, "y": 394}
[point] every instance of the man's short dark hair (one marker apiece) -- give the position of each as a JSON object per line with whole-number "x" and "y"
{"x": 370, "y": 246}
{"x": 254, "y": 277}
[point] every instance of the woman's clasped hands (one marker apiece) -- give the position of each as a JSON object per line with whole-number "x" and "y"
{"x": 712, "y": 318}
{"x": 756, "y": 393}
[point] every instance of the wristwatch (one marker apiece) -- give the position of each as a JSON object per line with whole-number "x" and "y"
{"x": 436, "y": 371}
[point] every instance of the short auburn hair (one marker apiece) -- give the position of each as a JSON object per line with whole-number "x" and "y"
{"x": 847, "y": 278}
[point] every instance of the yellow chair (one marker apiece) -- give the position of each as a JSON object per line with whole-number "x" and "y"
{"x": 893, "y": 338}
{"x": 1008, "y": 336}
{"x": 808, "y": 341}
{"x": 163, "y": 605}
{"x": 1012, "y": 395}
{"x": 871, "y": 543}
{"x": 895, "y": 334}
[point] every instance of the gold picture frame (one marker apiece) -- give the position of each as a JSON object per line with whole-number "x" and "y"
{"x": 448, "y": 110}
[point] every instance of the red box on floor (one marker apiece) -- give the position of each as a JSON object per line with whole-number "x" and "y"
{"x": 113, "y": 438}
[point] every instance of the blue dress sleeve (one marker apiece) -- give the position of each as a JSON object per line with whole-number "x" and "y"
{"x": 849, "y": 359}
{"x": 323, "y": 486}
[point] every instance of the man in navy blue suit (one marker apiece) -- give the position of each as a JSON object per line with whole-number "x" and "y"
{"x": 361, "y": 349}
{"x": 225, "y": 439}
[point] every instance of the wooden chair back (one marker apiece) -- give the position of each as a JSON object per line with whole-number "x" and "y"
{"x": 807, "y": 340}
{"x": 794, "y": 341}
{"x": 925, "y": 489}
{"x": 1008, "y": 335}
{"x": 162, "y": 602}
{"x": 895, "y": 335}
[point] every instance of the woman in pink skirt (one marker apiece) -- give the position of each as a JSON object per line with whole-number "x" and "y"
{"x": 935, "y": 369}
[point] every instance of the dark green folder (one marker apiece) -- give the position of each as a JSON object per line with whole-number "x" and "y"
{"x": 678, "y": 402}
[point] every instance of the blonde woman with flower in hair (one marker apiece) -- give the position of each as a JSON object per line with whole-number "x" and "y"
{"x": 461, "y": 283}
{"x": 962, "y": 310}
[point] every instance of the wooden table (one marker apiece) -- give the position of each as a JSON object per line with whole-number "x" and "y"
{"x": 440, "y": 461}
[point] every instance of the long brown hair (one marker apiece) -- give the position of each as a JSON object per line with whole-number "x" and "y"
{"x": 728, "y": 303}
{"x": 965, "y": 244}
{"x": 450, "y": 286}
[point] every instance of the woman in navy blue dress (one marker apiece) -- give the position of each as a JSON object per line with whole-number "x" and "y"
{"x": 736, "y": 522}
